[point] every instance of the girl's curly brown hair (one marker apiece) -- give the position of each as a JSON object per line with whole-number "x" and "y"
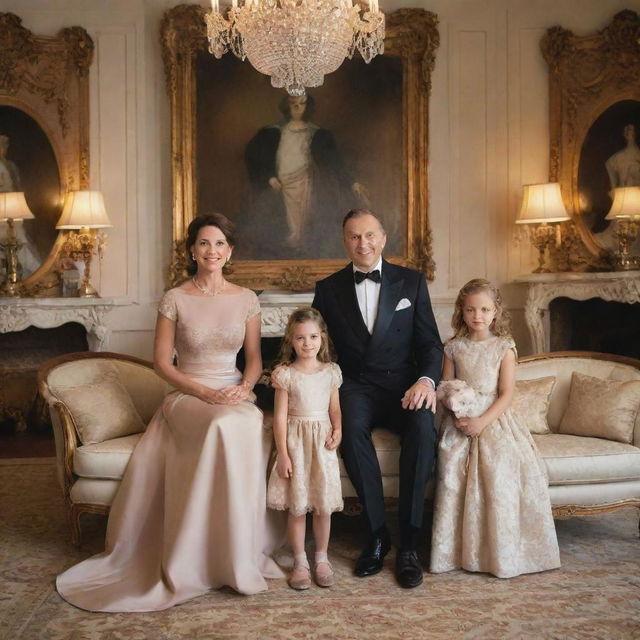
{"x": 500, "y": 324}
{"x": 304, "y": 314}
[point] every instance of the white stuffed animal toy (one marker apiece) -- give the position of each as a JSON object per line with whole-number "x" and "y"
{"x": 460, "y": 398}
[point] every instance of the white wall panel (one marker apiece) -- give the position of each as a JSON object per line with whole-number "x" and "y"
{"x": 470, "y": 215}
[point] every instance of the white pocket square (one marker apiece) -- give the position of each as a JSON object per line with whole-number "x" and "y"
{"x": 403, "y": 304}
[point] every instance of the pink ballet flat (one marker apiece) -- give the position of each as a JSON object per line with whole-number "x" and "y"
{"x": 323, "y": 573}
{"x": 300, "y": 579}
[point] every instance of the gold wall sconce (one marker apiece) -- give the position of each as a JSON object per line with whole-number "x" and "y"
{"x": 13, "y": 210}
{"x": 625, "y": 211}
{"x": 84, "y": 214}
{"x": 541, "y": 211}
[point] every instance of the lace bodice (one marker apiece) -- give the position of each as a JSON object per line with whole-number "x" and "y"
{"x": 478, "y": 363}
{"x": 209, "y": 330}
{"x": 309, "y": 393}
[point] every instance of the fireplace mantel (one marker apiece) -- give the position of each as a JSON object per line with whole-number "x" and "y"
{"x": 276, "y": 306}
{"x": 17, "y": 314}
{"x": 617, "y": 286}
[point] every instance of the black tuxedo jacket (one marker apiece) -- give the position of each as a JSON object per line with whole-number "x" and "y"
{"x": 405, "y": 343}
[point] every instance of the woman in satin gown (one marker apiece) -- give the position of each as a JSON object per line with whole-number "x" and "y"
{"x": 190, "y": 514}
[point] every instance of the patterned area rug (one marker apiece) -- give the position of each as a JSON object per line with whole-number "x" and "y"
{"x": 596, "y": 593}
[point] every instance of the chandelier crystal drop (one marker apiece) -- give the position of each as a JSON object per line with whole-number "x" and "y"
{"x": 296, "y": 42}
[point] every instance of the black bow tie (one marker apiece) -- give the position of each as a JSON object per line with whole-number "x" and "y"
{"x": 359, "y": 276}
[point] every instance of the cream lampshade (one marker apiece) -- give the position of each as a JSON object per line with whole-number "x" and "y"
{"x": 541, "y": 206}
{"x": 85, "y": 212}
{"x": 626, "y": 203}
{"x": 13, "y": 208}
{"x": 84, "y": 209}
{"x": 626, "y": 210}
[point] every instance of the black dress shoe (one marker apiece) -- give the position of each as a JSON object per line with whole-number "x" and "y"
{"x": 408, "y": 569}
{"x": 372, "y": 556}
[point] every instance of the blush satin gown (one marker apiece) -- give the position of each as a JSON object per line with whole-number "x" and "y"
{"x": 190, "y": 514}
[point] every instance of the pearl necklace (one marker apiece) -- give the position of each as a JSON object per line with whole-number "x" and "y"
{"x": 208, "y": 292}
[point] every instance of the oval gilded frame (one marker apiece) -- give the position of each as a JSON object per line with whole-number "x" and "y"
{"x": 587, "y": 75}
{"x": 48, "y": 79}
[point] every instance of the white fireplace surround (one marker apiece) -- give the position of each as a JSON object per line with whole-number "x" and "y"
{"x": 17, "y": 314}
{"x": 615, "y": 286}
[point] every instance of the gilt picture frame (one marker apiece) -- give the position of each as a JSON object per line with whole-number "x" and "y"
{"x": 594, "y": 94}
{"x": 44, "y": 113}
{"x": 374, "y": 117}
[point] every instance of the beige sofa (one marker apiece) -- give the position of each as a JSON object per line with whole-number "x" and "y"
{"x": 586, "y": 474}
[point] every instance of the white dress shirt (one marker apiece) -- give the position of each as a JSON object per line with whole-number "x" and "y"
{"x": 368, "y": 294}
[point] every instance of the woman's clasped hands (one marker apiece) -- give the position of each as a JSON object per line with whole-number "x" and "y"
{"x": 234, "y": 394}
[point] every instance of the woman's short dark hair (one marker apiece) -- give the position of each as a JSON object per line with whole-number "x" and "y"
{"x": 208, "y": 220}
{"x": 285, "y": 110}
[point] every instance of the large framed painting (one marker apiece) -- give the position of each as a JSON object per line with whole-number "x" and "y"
{"x": 44, "y": 138}
{"x": 594, "y": 97}
{"x": 367, "y": 132}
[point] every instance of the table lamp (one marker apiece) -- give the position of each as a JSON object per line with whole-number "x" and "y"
{"x": 625, "y": 210}
{"x": 13, "y": 208}
{"x": 542, "y": 206}
{"x": 84, "y": 213}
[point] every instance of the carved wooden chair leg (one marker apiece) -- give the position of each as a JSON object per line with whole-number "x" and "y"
{"x": 74, "y": 523}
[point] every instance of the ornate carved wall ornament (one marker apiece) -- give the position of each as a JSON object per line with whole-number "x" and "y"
{"x": 588, "y": 76}
{"x": 412, "y": 36}
{"x": 47, "y": 78}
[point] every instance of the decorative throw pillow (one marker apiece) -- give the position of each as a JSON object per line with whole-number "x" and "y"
{"x": 531, "y": 402}
{"x": 102, "y": 410}
{"x": 601, "y": 408}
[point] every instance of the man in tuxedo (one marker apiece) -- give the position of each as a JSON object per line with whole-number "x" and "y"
{"x": 380, "y": 320}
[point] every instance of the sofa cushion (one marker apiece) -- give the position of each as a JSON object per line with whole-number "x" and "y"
{"x": 563, "y": 368}
{"x": 101, "y": 409}
{"x": 601, "y": 408}
{"x": 580, "y": 460}
{"x": 106, "y": 460}
{"x": 531, "y": 403}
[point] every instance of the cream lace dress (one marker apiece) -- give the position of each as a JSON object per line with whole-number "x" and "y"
{"x": 190, "y": 514}
{"x": 315, "y": 482}
{"x": 492, "y": 507}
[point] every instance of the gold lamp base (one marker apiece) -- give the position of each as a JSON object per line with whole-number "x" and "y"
{"x": 80, "y": 246}
{"x": 627, "y": 234}
{"x": 11, "y": 287}
{"x": 542, "y": 237}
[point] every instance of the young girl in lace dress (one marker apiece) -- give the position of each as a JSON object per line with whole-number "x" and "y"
{"x": 492, "y": 507}
{"x": 307, "y": 429}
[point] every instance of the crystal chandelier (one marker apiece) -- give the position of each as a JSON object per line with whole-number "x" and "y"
{"x": 296, "y": 42}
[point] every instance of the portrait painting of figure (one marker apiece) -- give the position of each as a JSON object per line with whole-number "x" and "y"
{"x": 28, "y": 164}
{"x": 9, "y": 174}
{"x": 287, "y": 169}
{"x": 610, "y": 158}
{"x": 623, "y": 166}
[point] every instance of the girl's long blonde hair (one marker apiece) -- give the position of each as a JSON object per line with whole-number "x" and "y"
{"x": 304, "y": 314}
{"x": 500, "y": 324}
